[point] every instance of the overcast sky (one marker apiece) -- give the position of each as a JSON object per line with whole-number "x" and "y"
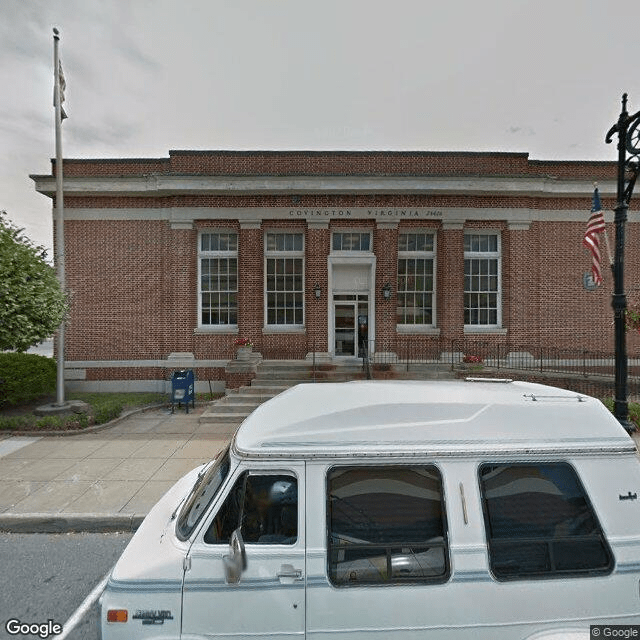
{"x": 144, "y": 76}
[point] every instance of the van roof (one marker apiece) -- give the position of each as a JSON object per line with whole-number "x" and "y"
{"x": 411, "y": 418}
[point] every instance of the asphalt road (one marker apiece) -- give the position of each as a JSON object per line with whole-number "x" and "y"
{"x": 48, "y": 576}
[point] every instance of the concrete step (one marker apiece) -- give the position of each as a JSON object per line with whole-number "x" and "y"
{"x": 290, "y": 382}
{"x": 235, "y": 409}
{"x": 286, "y": 364}
{"x": 285, "y": 374}
{"x": 241, "y": 400}
{"x": 275, "y": 368}
{"x": 232, "y": 419}
{"x": 268, "y": 386}
{"x": 319, "y": 377}
{"x": 248, "y": 396}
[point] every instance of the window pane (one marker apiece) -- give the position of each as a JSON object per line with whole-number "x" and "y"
{"x": 284, "y": 290}
{"x": 415, "y": 309}
{"x": 284, "y": 242}
{"x": 219, "y": 278}
{"x": 482, "y": 243}
{"x": 481, "y": 299}
{"x": 386, "y": 525}
{"x": 539, "y": 522}
{"x": 269, "y": 513}
{"x": 420, "y": 242}
{"x": 351, "y": 241}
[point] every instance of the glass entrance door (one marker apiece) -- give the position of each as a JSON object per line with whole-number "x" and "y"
{"x": 345, "y": 329}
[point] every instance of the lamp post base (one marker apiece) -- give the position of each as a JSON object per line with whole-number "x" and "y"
{"x": 629, "y": 426}
{"x": 54, "y": 409}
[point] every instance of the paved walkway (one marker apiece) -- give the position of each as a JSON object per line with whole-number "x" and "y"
{"x": 112, "y": 476}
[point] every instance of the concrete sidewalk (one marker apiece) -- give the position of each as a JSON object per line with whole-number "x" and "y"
{"x": 104, "y": 480}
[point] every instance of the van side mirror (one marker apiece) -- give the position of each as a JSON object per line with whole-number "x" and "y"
{"x": 236, "y": 562}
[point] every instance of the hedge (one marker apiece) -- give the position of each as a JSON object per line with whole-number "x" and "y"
{"x": 25, "y": 377}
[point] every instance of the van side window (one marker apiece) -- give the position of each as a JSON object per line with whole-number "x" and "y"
{"x": 386, "y": 525}
{"x": 266, "y": 508}
{"x": 540, "y": 524}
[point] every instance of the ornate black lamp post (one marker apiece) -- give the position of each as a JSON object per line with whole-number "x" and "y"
{"x": 628, "y": 132}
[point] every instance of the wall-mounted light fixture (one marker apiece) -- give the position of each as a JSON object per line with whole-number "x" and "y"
{"x": 386, "y": 291}
{"x": 318, "y": 291}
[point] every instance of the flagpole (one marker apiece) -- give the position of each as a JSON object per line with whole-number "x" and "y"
{"x": 606, "y": 239}
{"x": 59, "y": 217}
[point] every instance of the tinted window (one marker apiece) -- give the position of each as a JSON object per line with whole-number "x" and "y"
{"x": 266, "y": 508}
{"x": 386, "y": 525}
{"x": 539, "y": 523}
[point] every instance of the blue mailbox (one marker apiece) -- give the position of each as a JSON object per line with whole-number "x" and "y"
{"x": 182, "y": 388}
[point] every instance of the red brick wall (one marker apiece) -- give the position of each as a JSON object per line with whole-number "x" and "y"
{"x": 338, "y": 163}
{"x": 127, "y": 373}
{"x": 450, "y": 288}
{"x": 134, "y": 283}
{"x": 317, "y": 252}
{"x": 339, "y": 202}
{"x": 521, "y": 290}
{"x": 385, "y": 247}
{"x": 120, "y": 279}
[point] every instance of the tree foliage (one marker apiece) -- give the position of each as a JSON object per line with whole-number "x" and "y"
{"x": 32, "y": 304}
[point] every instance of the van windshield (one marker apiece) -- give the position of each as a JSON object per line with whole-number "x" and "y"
{"x": 204, "y": 489}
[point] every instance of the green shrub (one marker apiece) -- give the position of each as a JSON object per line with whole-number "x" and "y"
{"x": 25, "y": 377}
{"x": 15, "y": 422}
{"x": 78, "y": 420}
{"x": 49, "y": 422}
{"x": 634, "y": 410}
{"x": 107, "y": 411}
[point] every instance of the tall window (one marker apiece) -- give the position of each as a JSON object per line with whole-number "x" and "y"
{"x": 416, "y": 267}
{"x": 284, "y": 286}
{"x": 482, "y": 279}
{"x": 218, "y": 278}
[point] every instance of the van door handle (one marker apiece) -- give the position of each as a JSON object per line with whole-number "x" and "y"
{"x": 287, "y": 574}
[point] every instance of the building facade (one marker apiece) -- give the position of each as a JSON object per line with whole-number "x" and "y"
{"x": 170, "y": 260}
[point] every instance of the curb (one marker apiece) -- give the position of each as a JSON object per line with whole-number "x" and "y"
{"x": 67, "y": 523}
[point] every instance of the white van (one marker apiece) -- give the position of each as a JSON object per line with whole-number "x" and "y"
{"x": 410, "y": 510}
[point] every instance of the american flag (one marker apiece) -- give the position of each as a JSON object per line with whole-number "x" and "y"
{"x": 591, "y": 240}
{"x": 63, "y": 86}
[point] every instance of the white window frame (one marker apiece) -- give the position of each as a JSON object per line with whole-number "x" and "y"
{"x": 275, "y": 254}
{"x": 485, "y": 255}
{"x": 352, "y": 252}
{"x": 420, "y": 255}
{"x": 202, "y": 254}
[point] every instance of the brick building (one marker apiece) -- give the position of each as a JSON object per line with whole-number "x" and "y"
{"x": 169, "y": 260}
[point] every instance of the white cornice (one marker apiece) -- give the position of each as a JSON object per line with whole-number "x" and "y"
{"x": 158, "y": 185}
{"x": 252, "y": 217}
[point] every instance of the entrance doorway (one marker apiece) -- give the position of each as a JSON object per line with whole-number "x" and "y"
{"x": 351, "y": 328}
